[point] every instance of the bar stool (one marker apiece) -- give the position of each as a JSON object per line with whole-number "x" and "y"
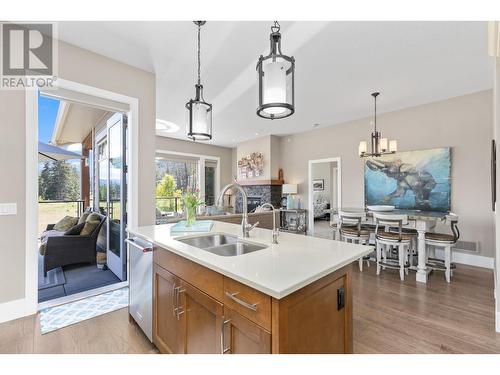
{"x": 351, "y": 231}
{"x": 413, "y": 252}
{"x": 447, "y": 242}
{"x": 387, "y": 239}
{"x": 334, "y": 224}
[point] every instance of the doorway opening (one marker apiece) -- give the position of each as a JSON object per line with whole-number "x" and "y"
{"x": 82, "y": 190}
{"x": 325, "y": 187}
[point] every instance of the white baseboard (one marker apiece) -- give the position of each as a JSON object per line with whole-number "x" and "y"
{"x": 16, "y": 309}
{"x": 469, "y": 259}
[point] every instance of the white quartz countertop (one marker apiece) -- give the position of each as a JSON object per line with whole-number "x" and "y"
{"x": 278, "y": 270}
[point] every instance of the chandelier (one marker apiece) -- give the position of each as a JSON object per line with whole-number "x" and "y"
{"x": 379, "y": 146}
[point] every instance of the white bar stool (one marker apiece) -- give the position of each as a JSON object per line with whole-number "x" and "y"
{"x": 447, "y": 242}
{"x": 351, "y": 231}
{"x": 397, "y": 239}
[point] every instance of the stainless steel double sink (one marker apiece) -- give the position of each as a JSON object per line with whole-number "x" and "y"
{"x": 222, "y": 244}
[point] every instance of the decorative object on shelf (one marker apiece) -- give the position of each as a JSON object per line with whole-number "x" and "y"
{"x": 410, "y": 180}
{"x": 199, "y": 111}
{"x": 318, "y": 185}
{"x": 379, "y": 146}
{"x": 280, "y": 175}
{"x": 289, "y": 190}
{"x": 276, "y": 74}
{"x": 251, "y": 166}
{"x": 293, "y": 220}
{"x": 191, "y": 200}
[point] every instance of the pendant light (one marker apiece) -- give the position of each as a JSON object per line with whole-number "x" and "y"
{"x": 379, "y": 146}
{"x": 276, "y": 74}
{"x": 199, "y": 126}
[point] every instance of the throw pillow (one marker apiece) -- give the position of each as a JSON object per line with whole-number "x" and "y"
{"x": 74, "y": 230}
{"x": 89, "y": 227}
{"x": 94, "y": 216}
{"x": 65, "y": 223}
{"x": 83, "y": 218}
{"x": 43, "y": 248}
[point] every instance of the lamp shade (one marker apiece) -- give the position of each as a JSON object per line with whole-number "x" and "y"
{"x": 289, "y": 189}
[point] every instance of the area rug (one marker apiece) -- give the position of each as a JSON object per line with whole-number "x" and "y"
{"x": 57, "y": 317}
{"x": 54, "y": 277}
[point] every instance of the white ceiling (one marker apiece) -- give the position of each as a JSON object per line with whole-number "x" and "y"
{"x": 338, "y": 65}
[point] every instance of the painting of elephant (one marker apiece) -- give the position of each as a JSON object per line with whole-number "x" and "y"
{"x": 410, "y": 180}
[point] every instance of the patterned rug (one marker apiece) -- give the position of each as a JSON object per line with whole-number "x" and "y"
{"x": 56, "y": 317}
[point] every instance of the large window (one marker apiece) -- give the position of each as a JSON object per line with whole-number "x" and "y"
{"x": 176, "y": 172}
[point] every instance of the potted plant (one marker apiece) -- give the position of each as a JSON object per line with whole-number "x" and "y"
{"x": 191, "y": 200}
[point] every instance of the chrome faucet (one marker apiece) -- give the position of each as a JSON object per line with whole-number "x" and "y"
{"x": 245, "y": 226}
{"x": 276, "y": 232}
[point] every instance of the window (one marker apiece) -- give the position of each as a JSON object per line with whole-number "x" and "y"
{"x": 176, "y": 172}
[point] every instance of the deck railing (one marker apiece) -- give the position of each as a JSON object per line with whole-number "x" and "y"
{"x": 50, "y": 212}
{"x": 169, "y": 204}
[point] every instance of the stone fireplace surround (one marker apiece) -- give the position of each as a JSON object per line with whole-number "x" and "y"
{"x": 268, "y": 194}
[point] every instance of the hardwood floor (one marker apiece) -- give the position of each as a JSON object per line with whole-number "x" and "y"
{"x": 390, "y": 316}
{"x": 109, "y": 333}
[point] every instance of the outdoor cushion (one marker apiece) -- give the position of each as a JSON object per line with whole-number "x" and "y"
{"x": 89, "y": 227}
{"x": 94, "y": 216}
{"x": 74, "y": 230}
{"x": 65, "y": 223}
{"x": 83, "y": 218}
{"x": 43, "y": 248}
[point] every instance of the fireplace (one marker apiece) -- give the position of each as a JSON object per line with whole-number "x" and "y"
{"x": 258, "y": 195}
{"x": 253, "y": 203}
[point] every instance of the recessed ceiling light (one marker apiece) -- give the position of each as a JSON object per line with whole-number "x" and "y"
{"x": 163, "y": 126}
{"x": 256, "y": 133}
{"x": 316, "y": 125}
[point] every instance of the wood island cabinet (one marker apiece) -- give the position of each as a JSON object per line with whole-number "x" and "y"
{"x": 197, "y": 310}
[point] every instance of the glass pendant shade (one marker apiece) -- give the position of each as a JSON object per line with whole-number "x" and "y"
{"x": 363, "y": 146}
{"x": 199, "y": 117}
{"x": 393, "y": 145}
{"x": 276, "y": 81}
{"x": 384, "y": 144}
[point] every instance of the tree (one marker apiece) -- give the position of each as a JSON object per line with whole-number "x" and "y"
{"x": 167, "y": 187}
{"x": 59, "y": 180}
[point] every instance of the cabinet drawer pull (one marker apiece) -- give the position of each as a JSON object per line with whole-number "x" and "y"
{"x": 179, "y": 310}
{"x": 223, "y": 336}
{"x": 251, "y": 306}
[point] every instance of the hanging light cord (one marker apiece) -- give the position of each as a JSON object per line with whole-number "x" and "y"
{"x": 199, "y": 59}
{"x": 375, "y": 114}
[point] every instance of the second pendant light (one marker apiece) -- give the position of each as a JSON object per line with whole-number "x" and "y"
{"x": 199, "y": 127}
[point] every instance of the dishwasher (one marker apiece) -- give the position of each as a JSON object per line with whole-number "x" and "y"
{"x": 141, "y": 283}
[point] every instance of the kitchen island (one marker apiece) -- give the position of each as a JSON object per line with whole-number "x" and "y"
{"x": 290, "y": 297}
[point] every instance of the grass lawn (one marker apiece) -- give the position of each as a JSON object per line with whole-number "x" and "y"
{"x": 51, "y": 213}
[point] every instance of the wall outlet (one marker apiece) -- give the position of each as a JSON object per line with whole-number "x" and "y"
{"x": 8, "y": 208}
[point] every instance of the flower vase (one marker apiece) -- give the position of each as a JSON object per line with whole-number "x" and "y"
{"x": 190, "y": 216}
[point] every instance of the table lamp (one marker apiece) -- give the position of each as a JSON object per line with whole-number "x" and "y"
{"x": 289, "y": 190}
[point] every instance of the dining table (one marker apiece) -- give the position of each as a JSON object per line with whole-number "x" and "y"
{"x": 421, "y": 221}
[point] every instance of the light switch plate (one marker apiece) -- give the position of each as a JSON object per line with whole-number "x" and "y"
{"x": 8, "y": 208}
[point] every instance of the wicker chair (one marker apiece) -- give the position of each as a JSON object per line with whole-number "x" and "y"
{"x": 64, "y": 250}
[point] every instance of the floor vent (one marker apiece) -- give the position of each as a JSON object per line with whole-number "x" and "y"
{"x": 467, "y": 246}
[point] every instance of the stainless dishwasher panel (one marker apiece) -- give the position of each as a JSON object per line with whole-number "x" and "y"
{"x": 141, "y": 284}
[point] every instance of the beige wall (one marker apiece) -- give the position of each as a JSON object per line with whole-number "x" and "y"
{"x": 269, "y": 146}
{"x": 82, "y": 66}
{"x": 224, "y": 153}
{"x": 496, "y": 132}
{"x": 12, "y": 181}
{"x": 463, "y": 123}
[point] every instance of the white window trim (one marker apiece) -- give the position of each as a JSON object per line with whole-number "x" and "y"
{"x": 201, "y": 166}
